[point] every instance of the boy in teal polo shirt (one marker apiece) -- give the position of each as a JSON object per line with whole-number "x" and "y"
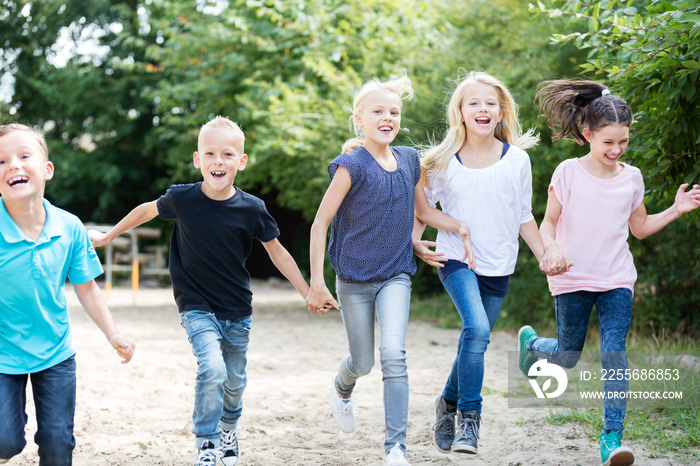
{"x": 41, "y": 246}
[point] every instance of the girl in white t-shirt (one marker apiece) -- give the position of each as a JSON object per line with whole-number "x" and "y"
{"x": 594, "y": 201}
{"x": 480, "y": 174}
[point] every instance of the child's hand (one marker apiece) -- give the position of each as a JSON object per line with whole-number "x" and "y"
{"x": 421, "y": 248}
{"x": 555, "y": 261}
{"x": 98, "y": 238}
{"x": 124, "y": 347}
{"x": 468, "y": 251}
{"x": 320, "y": 300}
{"x": 687, "y": 200}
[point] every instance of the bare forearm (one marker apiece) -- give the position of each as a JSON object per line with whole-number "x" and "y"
{"x": 654, "y": 223}
{"x": 317, "y": 252}
{"x": 95, "y": 305}
{"x": 140, "y": 215}
{"x": 286, "y": 264}
{"x": 438, "y": 219}
{"x": 532, "y": 237}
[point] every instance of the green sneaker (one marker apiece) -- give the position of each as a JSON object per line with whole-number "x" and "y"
{"x": 612, "y": 453}
{"x": 526, "y": 359}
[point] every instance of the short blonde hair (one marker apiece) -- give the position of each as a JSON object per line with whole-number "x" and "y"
{"x": 401, "y": 86}
{"x": 436, "y": 158}
{"x": 220, "y": 122}
{"x": 9, "y": 128}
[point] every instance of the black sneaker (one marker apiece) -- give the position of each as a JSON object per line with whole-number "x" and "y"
{"x": 444, "y": 428}
{"x": 467, "y": 432}
{"x": 229, "y": 447}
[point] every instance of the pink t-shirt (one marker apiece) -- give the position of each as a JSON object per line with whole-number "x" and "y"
{"x": 593, "y": 228}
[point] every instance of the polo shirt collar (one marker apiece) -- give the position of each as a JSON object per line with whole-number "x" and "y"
{"x": 12, "y": 234}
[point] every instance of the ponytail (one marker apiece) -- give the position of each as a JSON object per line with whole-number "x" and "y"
{"x": 569, "y": 106}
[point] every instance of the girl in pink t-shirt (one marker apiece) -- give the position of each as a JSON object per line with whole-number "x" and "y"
{"x": 594, "y": 201}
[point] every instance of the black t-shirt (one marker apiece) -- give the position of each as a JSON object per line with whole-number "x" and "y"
{"x": 210, "y": 244}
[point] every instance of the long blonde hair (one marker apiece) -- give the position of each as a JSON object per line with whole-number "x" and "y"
{"x": 401, "y": 86}
{"x": 436, "y": 158}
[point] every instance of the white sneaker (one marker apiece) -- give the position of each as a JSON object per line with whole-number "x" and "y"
{"x": 343, "y": 411}
{"x": 396, "y": 457}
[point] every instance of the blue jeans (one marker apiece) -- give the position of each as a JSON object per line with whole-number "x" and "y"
{"x": 54, "y": 400}
{"x": 220, "y": 347}
{"x": 573, "y": 310}
{"x": 478, "y": 312}
{"x": 389, "y": 300}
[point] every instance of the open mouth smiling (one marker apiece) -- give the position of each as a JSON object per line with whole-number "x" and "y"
{"x": 218, "y": 174}
{"x": 483, "y": 120}
{"x": 18, "y": 180}
{"x": 386, "y": 129}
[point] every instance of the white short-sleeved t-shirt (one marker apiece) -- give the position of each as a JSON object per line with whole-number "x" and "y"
{"x": 593, "y": 227}
{"x": 494, "y": 202}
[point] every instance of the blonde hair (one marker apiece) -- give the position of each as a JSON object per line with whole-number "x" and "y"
{"x": 401, "y": 86}
{"x": 436, "y": 158}
{"x": 220, "y": 122}
{"x": 12, "y": 127}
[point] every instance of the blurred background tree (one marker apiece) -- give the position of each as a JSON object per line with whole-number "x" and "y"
{"x": 121, "y": 87}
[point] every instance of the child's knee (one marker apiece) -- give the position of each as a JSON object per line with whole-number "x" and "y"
{"x": 393, "y": 362}
{"x": 212, "y": 372}
{"x": 11, "y": 445}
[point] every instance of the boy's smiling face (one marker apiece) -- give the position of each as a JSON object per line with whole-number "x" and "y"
{"x": 24, "y": 167}
{"x": 219, "y": 157}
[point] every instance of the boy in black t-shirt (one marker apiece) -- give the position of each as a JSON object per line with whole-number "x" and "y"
{"x": 215, "y": 224}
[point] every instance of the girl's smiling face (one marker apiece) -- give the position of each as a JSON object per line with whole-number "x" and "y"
{"x": 380, "y": 117}
{"x": 608, "y": 143}
{"x": 481, "y": 111}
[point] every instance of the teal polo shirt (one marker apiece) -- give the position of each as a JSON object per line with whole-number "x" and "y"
{"x": 34, "y": 319}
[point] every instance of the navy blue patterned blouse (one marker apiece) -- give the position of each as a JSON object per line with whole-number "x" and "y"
{"x": 371, "y": 232}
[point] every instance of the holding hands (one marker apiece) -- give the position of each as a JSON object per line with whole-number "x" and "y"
{"x": 555, "y": 261}
{"x": 320, "y": 300}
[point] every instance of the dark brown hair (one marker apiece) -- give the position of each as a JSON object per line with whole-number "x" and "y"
{"x": 569, "y": 106}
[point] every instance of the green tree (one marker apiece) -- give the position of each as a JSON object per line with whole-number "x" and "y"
{"x": 89, "y": 106}
{"x": 648, "y": 52}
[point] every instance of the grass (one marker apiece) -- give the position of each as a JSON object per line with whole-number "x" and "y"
{"x": 672, "y": 433}
{"x": 667, "y": 433}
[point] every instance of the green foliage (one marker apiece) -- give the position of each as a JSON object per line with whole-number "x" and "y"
{"x": 649, "y": 53}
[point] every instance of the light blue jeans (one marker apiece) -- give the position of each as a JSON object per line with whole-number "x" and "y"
{"x": 220, "y": 347}
{"x": 389, "y": 301}
{"x": 54, "y": 401}
{"x": 479, "y": 312}
{"x": 573, "y": 310}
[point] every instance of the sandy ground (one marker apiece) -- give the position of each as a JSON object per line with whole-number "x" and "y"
{"x": 140, "y": 413}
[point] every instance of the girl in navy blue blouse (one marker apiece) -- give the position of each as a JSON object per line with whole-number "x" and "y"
{"x": 371, "y": 200}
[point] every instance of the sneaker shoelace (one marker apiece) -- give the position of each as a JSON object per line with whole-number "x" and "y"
{"x": 208, "y": 457}
{"x": 346, "y": 408}
{"x": 611, "y": 443}
{"x": 469, "y": 426}
{"x": 445, "y": 422}
{"x": 228, "y": 438}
